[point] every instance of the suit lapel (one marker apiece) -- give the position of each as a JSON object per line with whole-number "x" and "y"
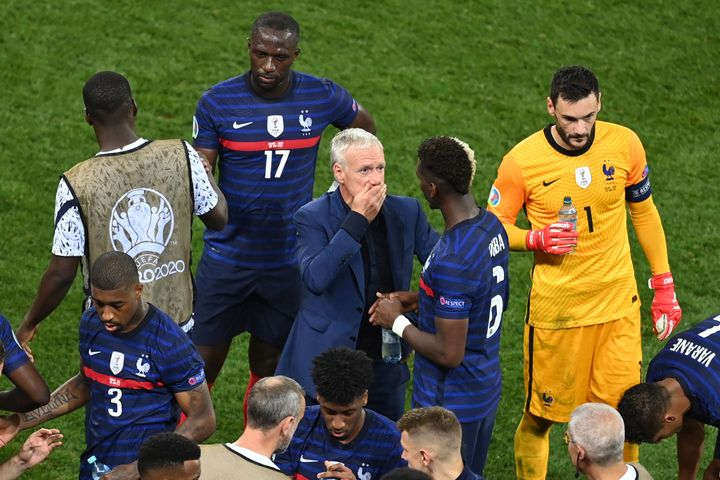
{"x": 337, "y": 216}
{"x": 395, "y": 228}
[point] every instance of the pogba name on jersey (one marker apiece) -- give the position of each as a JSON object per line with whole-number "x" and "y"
{"x": 496, "y": 245}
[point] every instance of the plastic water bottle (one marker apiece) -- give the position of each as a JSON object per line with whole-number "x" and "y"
{"x": 98, "y": 469}
{"x": 391, "y": 351}
{"x": 568, "y": 213}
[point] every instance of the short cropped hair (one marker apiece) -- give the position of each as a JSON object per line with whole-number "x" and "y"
{"x": 643, "y": 409}
{"x": 114, "y": 270}
{"x": 599, "y": 429}
{"x": 341, "y": 375}
{"x": 277, "y": 21}
{"x": 406, "y": 473}
{"x": 166, "y": 450}
{"x": 273, "y": 399}
{"x": 350, "y": 138}
{"x": 573, "y": 83}
{"x": 448, "y": 159}
{"x": 107, "y": 97}
{"x": 436, "y": 425}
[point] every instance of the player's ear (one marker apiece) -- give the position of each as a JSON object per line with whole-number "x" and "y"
{"x": 550, "y": 106}
{"x": 88, "y": 120}
{"x": 599, "y": 101}
{"x": 134, "y": 107}
{"x": 338, "y": 173}
{"x": 365, "y": 398}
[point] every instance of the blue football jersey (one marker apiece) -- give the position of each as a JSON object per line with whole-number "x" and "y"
{"x": 267, "y": 155}
{"x": 133, "y": 377}
{"x": 691, "y": 358}
{"x": 466, "y": 277}
{"x": 15, "y": 356}
{"x": 375, "y": 451}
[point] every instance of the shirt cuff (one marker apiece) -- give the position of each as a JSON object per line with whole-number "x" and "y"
{"x": 356, "y": 225}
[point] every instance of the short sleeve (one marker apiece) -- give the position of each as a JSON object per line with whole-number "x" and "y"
{"x": 69, "y": 237}
{"x": 15, "y": 356}
{"x": 181, "y": 368}
{"x": 343, "y": 106}
{"x": 205, "y": 197}
{"x": 204, "y": 132}
{"x": 453, "y": 287}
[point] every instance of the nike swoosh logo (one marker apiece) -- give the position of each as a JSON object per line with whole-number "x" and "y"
{"x": 547, "y": 184}
{"x": 307, "y": 460}
{"x": 240, "y": 125}
{"x": 92, "y": 352}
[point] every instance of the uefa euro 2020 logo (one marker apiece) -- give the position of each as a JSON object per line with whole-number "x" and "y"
{"x": 141, "y": 225}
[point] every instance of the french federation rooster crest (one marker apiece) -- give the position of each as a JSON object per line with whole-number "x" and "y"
{"x": 609, "y": 172}
{"x": 305, "y": 122}
{"x": 142, "y": 368}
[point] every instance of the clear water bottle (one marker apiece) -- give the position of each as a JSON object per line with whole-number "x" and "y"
{"x": 98, "y": 469}
{"x": 568, "y": 213}
{"x": 391, "y": 351}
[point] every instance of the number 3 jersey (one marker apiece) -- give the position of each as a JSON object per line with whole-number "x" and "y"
{"x": 133, "y": 377}
{"x": 465, "y": 277}
{"x": 267, "y": 153}
{"x": 596, "y": 283}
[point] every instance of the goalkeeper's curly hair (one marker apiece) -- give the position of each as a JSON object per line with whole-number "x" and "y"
{"x": 342, "y": 375}
{"x": 449, "y": 159}
{"x": 643, "y": 408}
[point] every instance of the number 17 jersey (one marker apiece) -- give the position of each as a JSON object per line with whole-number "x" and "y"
{"x": 267, "y": 154}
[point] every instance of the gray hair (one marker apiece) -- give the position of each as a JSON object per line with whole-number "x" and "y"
{"x": 600, "y": 430}
{"x": 351, "y": 137}
{"x": 273, "y": 399}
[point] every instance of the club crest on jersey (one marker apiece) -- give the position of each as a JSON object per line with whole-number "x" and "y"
{"x": 142, "y": 365}
{"x": 583, "y": 177}
{"x": 305, "y": 121}
{"x": 275, "y": 125}
{"x": 494, "y": 198}
{"x": 141, "y": 225}
{"x": 117, "y": 361}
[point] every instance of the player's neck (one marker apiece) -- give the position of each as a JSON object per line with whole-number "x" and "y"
{"x": 116, "y": 137}
{"x": 138, "y": 318}
{"x": 594, "y": 472}
{"x": 679, "y": 402}
{"x": 278, "y": 91}
{"x": 458, "y": 209}
{"x": 447, "y": 471}
{"x": 258, "y": 442}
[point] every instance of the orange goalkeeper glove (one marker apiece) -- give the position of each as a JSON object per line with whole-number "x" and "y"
{"x": 665, "y": 309}
{"x": 557, "y": 239}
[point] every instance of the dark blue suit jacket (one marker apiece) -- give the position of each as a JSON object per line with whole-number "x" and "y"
{"x": 333, "y": 277}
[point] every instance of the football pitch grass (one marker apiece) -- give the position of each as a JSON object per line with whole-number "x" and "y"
{"x": 478, "y": 70}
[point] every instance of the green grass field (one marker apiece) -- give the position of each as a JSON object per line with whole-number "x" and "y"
{"x": 478, "y": 70}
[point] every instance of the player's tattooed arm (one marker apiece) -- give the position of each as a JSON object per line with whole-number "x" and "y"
{"x": 70, "y": 396}
{"x": 197, "y": 406}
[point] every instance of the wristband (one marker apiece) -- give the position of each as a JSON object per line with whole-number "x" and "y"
{"x": 400, "y": 324}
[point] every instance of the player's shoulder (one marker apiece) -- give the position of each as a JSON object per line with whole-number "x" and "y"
{"x": 317, "y": 205}
{"x": 228, "y": 86}
{"x": 613, "y": 132}
{"x": 380, "y": 424}
{"x": 530, "y": 143}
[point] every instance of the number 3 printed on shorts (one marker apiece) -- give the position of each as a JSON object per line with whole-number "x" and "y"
{"x": 116, "y": 393}
{"x": 269, "y": 156}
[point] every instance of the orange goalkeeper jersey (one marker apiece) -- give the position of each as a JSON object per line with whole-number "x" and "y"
{"x": 596, "y": 283}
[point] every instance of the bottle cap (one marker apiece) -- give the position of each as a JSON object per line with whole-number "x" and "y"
{"x": 92, "y": 459}
{"x": 567, "y": 199}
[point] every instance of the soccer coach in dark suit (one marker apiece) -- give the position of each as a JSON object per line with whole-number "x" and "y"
{"x": 352, "y": 243}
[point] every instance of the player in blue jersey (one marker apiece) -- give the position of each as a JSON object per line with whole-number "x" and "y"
{"x": 682, "y": 395}
{"x": 264, "y": 127}
{"x": 339, "y": 438}
{"x": 464, "y": 289}
{"x": 138, "y": 370}
{"x": 30, "y": 390}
